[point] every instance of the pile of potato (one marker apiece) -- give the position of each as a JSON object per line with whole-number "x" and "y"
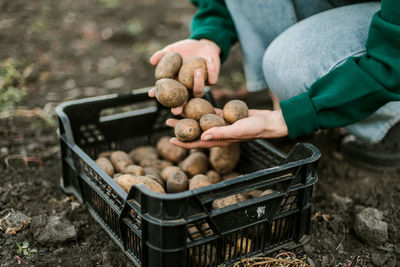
{"x": 173, "y": 81}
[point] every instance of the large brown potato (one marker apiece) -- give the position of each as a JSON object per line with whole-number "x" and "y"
{"x": 196, "y": 163}
{"x": 177, "y": 182}
{"x": 126, "y": 181}
{"x": 106, "y": 165}
{"x": 198, "y": 181}
{"x": 187, "y": 130}
{"x": 120, "y": 160}
{"x": 133, "y": 169}
{"x": 225, "y": 159}
{"x": 168, "y": 170}
{"x": 170, "y": 151}
{"x": 186, "y": 73}
{"x": 214, "y": 176}
{"x": 208, "y": 121}
{"x": 170, "y": 93}
{"x": 168, "y": 66}
{"x": 195, "y": 108}
{"x": 235, "y": 110}
{"x": 143, "y": 152}
{"x": 227, "y": 201}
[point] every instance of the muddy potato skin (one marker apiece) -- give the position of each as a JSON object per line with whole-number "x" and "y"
{"x": 143, "y": 152}
{"x": 186, "y": 73}
{"x": 169, "y": 151}
{"x": 196, "y": 107}
{"x": 198, "y": 181}
{"x": 234, "y": 110}
{"x": 177, "y": 182}
{"x": 196, "y": 163}
{"x": 168, "y": 66}
{"x": 156, "y": 178}
{"x": 170, "y": 93}
{"x": 227, "y": 201}
{"x": 156, "y": 163}
{"x": 208, "y": 121}
{"x": 106, "y": 165}
{"x": 187, "y": 130}
{"x": 126, "y": 181}
{"x": 168, "y": 170}
{"x": 120, "y": 160}
{"x": 225, "y": 159}
{"x": 214, "y": 176}
{"x": 133, "y": 169}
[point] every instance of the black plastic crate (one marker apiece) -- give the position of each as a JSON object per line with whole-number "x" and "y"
{"x": 182, "y": 229}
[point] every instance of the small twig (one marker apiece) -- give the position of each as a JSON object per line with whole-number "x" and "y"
{"x": 344, "y": 237}
{"x": 26, "y": 160}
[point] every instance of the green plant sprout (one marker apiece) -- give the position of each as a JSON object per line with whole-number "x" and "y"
{"x": 25, "y": 249}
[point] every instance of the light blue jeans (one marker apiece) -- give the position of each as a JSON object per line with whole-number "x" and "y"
{"x": 288, "y": 45}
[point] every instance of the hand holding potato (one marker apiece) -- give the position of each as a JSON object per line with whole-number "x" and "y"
{"x": 258, "y": 124}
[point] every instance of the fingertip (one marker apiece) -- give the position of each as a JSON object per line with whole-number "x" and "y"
{"x": 152, "y": 92}
{"x": 177, "y": 110}
{"x": 155, "y": 57}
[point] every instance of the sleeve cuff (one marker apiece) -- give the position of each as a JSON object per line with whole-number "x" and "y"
{"x": 300, "y": 116}
{"x": 215, "y": 35}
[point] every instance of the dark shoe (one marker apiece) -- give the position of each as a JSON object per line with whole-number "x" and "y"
{"x": 383, "y": 156}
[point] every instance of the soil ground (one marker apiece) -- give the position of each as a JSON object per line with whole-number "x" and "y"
{"x": 73, "y": 49}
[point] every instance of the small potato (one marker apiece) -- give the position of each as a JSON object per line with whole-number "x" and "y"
{"x": 196, "y": 163}
{"x": 171, "y": 93}
{"x": 187, "y": 130}
{"x": 168, "y": 66}
{"x": 157, "y": 163}
{"x": 168, "y": 170}
{"x": 177, "y": 182}
{"x": 235, "y": 110}
{"x": 225, "y": 159}
{"x": 157, "y": 179}
{"x": 197, "y": 107}
{"x": 105, "y": 154}
{"x": 106, "y": 165}
{"x": 152, "y": 170}
{"x": 230, "y": 175}
{"x": 186, "y": 73}
{"x": 169, "y": 151}
{"x": 198, "y": 181}
{"x": 267, "y": 192}
{"x": 214, "y": 176}
{"x": 227, "y": 201}
{"x": 208, "y": 121}
{"x": 143, "y": 152}
{"x": 133, "y": 169}
{"x": 120, "y": 160}
{"x": 126, "y": 181}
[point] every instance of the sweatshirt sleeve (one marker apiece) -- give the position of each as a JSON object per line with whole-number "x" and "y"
{"x": 357, "y": 88}
{"x": 213, "y": 21}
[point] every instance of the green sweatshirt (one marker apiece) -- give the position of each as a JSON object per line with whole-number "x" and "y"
{"x": 344, "y": 96}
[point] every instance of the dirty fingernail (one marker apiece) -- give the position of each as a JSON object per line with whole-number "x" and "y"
{"x": 207, "y": 137}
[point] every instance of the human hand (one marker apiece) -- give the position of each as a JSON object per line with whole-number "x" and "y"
{"x": 189, "y": 48}
{"x": 258, "y": 124}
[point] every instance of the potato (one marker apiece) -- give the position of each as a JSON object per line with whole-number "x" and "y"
{"x": 156, "y": 163}
{"x": 143, "y": 152}
{"x": 126, "y": 181}
{"x": 117, "y": 175}
{"x": 252, "y": 194}
{"x": 177, "y": 182}
{"x": 208, "y": 121}
{"x": 168, "y": 66}
{"x": 171, "y": 93}
{"x": 133, "y": 169}
{"x": 197, "y": 107}
{"x": 152, "y": 170}
{"x": 170, "y": 151}
{"x": 157, "y": 179}
{"x": 234, "y": 110}
{"x": 168, "y": 170}
{"x": 186, "y": 73}
{"x": 196, "y": 163}
{"x": 194, "y": 150}
{"x": 106, "y": 165}
{"x": 187, "y": 130}
{"x": 214, "y": 176}
{"x": 227, "y": 201}
{"x": 198, "y": 181}
{"x": 225, "y": 159}
{"x": 120, "y": 160}
{"x": 196, "y": 233}
{"x": 267, "y": 192}
{"x": 105, "y": 154}
{"x": 230, "y": 175}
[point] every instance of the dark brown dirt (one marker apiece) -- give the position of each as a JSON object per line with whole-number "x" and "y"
{"x": 73, "y": 49}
